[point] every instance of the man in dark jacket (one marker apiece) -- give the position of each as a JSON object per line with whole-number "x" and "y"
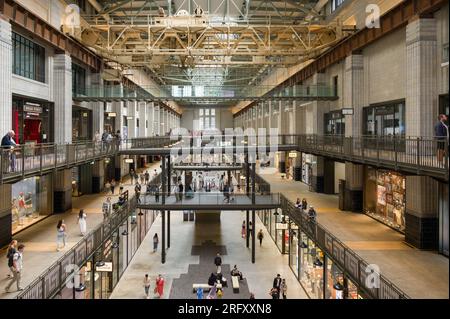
{"x": 8, "y": 145}
{"x": 218, "y": 263}
{"x": 277, "y": 283}
{"x": 441, "y": 132}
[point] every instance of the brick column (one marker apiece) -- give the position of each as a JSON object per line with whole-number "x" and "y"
{"x": 354, "y": 94}
{"x": 63, "y": 98}
{"x": 421, "y": 87}
{"x": 5, "y": 214}
{"x": 353, "y": 193}
{"x": 421, "y": 216}
{"x": 98, "y": 176}
{"x": 5, "y": 77}
{"x": 62, "y": 199}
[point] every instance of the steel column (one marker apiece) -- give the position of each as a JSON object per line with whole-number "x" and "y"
{"x": 163, "y": 212}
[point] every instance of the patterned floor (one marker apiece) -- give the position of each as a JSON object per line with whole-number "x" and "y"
{"x": 199, "y": 274}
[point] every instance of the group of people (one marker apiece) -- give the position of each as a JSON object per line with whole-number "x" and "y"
{"x": 279, "y": 288}
{"x": 108, "y": 139}
{"x": 14, "y": 255}
{"x": 248, "y": 232}
{"x": 303, "y": 205}
{"x": 159, "y": 286}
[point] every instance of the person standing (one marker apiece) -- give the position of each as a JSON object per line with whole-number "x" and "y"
{"x": 147, "y": 284}
{"x": 113, "y": 186}
{"x": 82, "y": 222}
{"x": 121, "y": 187}
{"x": 250, "y": 228}
{"x": 243, "y": 229}
{"x": 441, "y": 132}
{"x": 12, "y": 249}
{"x": 159, "y": 289}
{"x": 157, "y": 194}
{"x": 218, "y": 263}
{"x": 106, "y": 208}
{"x": 16, "y": 268}
{"x": 147, "y": 177}
{"x": 155, "y": 242}
{"x": 312, "y": 214}
{"x": 108, "y": 187}
{"x": 137, "y": 191}
{"x": 60, "y": 235}
{"x": 283, "y": 288}
{"x": 277, "y": 283}
{"x": 200, "y": 293}
{"x": 298, "y": 203}
{"x": 131, "y": 176}
{"x": 8, "y": 145}
{"x": 260, "y": 237}
{"x": 304, "y": 205}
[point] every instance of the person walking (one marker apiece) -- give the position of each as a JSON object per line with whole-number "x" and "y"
{"x": 108, "y": 187}
{"x": 12, "y": 249}
{"x": 155, "y": 242}
{"x": 218, "y": 263}
{"x": 147, "y": 177}
{"x": 159, "y": 289}
{"x": 277, "y": 283}
{"x": 243, "y": 230}
{"x": 106, "y": 208}
{"x": 60, "y": 235}
{"x": 274, "y": 293}
{"x": 113, "y": 186}
{"x": 260, "y": 237}
{"x": 157, "y": 194}
{"x": 284, "y": 288}
{"x": 250, "y": 229}
{"x": 131, "y": 175}
{"x": 441, "y": 133}
{"x": 82, "y": 222}
{"x": 147, "y": 284}
{"x": 137, "y": 191}
{"x": 16, "y": 268}
{"x": 312, "y": 215}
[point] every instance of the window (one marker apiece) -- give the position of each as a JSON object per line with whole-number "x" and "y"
{"x": 207, "y": 119}
{"x": 334, "y": 123}
{"x": 335, "y": 85}
{"x": 336, "y": 4}
{"x": 445, "y": 53}
{"x": 28, "y": 58}
{"x": 78, "y": 80}
{"x": 385, "y": 120}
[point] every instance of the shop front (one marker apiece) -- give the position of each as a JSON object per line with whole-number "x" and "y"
{"x": 337, "y": 285}
{"x": 102, "y": 270}
{"x": 31, "y": 201}
{"x": 311, "y": 267}
{"x": 384, "y": 197}
{"x": 32, "y": 121}
{"x": 81, "y": 124}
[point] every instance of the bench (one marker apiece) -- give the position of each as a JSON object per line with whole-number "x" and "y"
{"x": 235, "y": 284}
{"x": 205, "y": 287}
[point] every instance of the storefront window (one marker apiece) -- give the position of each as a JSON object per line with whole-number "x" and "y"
{"x": 81, "y": 124}
{"x": 311, "y": 268}
{"x": 384, "y": 197}
{"x": 385, "y": 120}
{"x": 294, "y": 249}
{"x": 32, "y": 121}
{"x": 334, "y": 123}
{"x": 307, "y": 168}
{"x": 31, "y": 201}
{"x": 334, "y": 281}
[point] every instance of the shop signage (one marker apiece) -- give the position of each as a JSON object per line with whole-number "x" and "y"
{"x": 107, "y": 267}
{"x": 112, "y": 114}
{"x": 129, "y": 160}
{"x": 293, "y": 154}
{"x": 32, "y": 107}
{"x": 281, "y": 226}
{"x": 347, "y": 111}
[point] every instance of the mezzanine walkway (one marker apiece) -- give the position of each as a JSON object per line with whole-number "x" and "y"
{"x": 259, "y": 276}
{"x": 40, "y": 239}
{"x": 420, "y": 274}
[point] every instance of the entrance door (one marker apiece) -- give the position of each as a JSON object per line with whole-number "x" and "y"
{"x": 32, "y": 130}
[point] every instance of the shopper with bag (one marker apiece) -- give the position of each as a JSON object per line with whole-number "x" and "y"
{"x": 159, "y": 289}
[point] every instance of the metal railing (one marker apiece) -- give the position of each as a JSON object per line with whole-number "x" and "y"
{"x": 353, "y": 265}
{"x": 55, "y": 277}
{"x": 208, "y": 199}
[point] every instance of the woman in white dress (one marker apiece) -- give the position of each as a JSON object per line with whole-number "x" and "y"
{"x": 82, "y": 222}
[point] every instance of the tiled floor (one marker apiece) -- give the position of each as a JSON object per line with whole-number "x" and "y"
{"x": 420, "y": 274}
{"x": 259, "y": 276}
{"x": 40, "y": 239}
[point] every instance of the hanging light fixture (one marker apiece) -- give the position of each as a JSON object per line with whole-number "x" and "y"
{"x": 125, "y": 233}
{"x": 115, "y": 245}
{"x": 338, "y": 286}
{"x": 318, "y": 263}
{"x": 303, "y": 245}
